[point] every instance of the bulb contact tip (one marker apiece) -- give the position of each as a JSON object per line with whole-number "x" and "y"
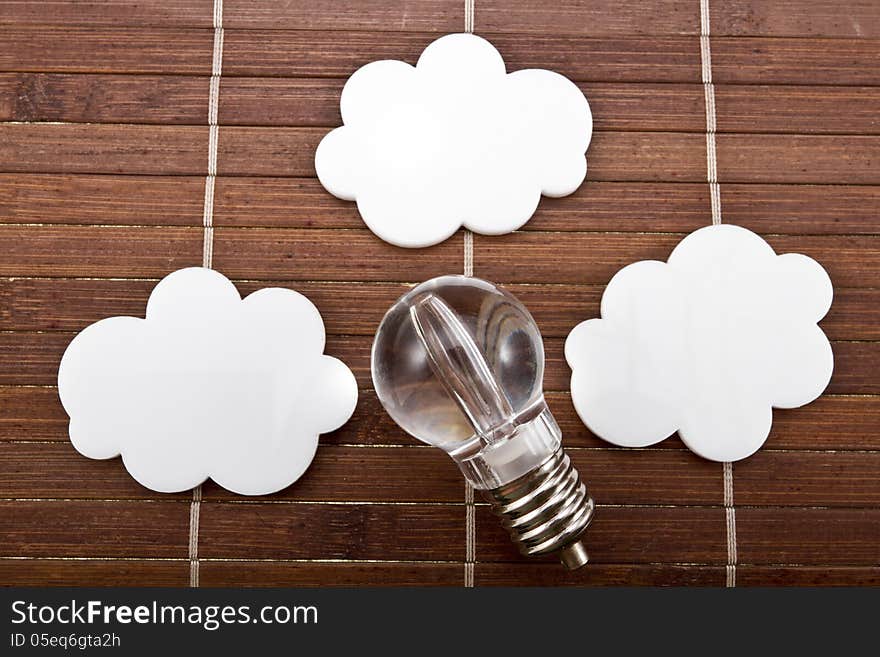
{"x": 574, "y": 555}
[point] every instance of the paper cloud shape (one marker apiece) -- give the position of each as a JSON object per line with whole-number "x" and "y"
{"x": 208, "y": 385}
{"x": 454, "y": 141}
{"x": 704, "y": 344}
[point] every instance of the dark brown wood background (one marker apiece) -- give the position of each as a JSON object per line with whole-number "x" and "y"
{"x": 103, "y": 156}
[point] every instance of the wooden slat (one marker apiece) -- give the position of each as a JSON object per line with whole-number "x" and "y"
{"x": 338, "y": 53}
{"x": 614, "y": 59}
{"x": 807, "y": 576}
{"x": 855, "y": 368}
{"x": 72, "y": 304}
{"x": 817, "y": 159}
{"x": 406, "y": 474}
{"x": 596, "y": 18}
{"x": 808, "y": 479}
{"x": 280, "y": 101}
{"x": 96, "y": 199}
{"x": 303, "y": 202}
{"x": 280, "y": 202}
{"x": 370, "y": 474}
{"x": 597, "y": 574}
{"x": 32, "y": 359}
{"x": 821, "y": 18}
{"x": 829, "y": 423}
{"x": 549, "y": 574}
{"x": 268, "y": 151}
{"x": 646, "y": 107}
{"x": 309, "y": 53}
{"x": 70, "y": 251}
{"x": 29, "y": 304}
{"x": 758, "y": 60}
{"x": 629, "y": 535}
{"x": 647, "y": 156}
{"x": 587, "y": 258}
{"x": 627, "y": 156}
{"x": 858, "y": 256}
{"x": 36, "y": 414}
{"x": 851, "y": 261}
{"x": 31, "y": 413}
{"x": 597, "y": 205}
{"x": 355, "y": 255}
{"x": 811, "y": 536}
{"x": 86, "y": 572}
{"x": 807, "y": 209}
{"x": 378, "y": 15}
{"x": 667, "y": 476}
{"x": 797, "y": 109}
{"x": 28, "y": 413}
{"x": 174, "y": 13}
{"x": 103, "y": 98}
{"x": 58, "y": 471}
{"x": 331, "y": 531}
{"x": 78, "y": 148}
{"x": 94, "y": 529}
{"x": 587, "y": 19}
{"x": 255, "y": 151}
{"x": 64, "y": 49}
{"x": 93, "y": 251}
{"x": 302, "y": 53}
{"x": 297, "y": 573}
{"x": 68, "y": 304}
{"x": 315, "y": 102}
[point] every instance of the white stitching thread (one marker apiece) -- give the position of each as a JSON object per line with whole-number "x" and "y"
{"x": 715, "y": 201}
{"x": 709, "y": 94}
{"x": 468, "y": 253}
{"x": 470, "y": 518}
{"x": 468, "y": 16}
{"x": 194, "y": 510}
{"x": 730, "y": 520}
{"x": 208, "y": 243}
{"x": 470, "y": 555}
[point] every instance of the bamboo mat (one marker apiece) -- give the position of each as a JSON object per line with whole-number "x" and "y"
{"x": 104, "y": 164}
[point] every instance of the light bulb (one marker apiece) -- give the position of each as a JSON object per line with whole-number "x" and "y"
{"x": 459, "y": 364}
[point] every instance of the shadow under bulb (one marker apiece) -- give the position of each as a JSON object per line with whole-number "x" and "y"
{"x": 459, "y": 363}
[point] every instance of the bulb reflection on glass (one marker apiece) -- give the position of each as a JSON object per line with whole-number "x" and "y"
{"x": 459, "y": 364}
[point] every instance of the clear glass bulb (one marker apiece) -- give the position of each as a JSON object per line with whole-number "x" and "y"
{"x": 459, "y": 364}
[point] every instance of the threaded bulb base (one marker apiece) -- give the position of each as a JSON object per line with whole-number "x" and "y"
{"x": 546, "y": 510}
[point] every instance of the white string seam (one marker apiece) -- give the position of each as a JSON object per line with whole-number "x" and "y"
{"x": 194, "y": 511}
{"x": 715, "y": 202}
{"x": 208, "y": 243}
{"x": 213, "y": 135}
{"x": 469, "y": 16}
{"x": 469, "y": 510}
{"x": 709, "y": 95}
{"x": 730, "y": 521}
{"x": 470, "y": 555}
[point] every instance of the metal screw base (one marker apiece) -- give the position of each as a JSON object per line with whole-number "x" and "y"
{"x": 546, "y": 510}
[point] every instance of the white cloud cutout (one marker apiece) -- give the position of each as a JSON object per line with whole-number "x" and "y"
{"x": 208, "y": 385}
{"x": 454, "y": 141}
{"x": 704, "y": 344}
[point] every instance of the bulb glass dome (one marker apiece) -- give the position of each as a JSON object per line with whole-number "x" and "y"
{"x": 458, "y": 363}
